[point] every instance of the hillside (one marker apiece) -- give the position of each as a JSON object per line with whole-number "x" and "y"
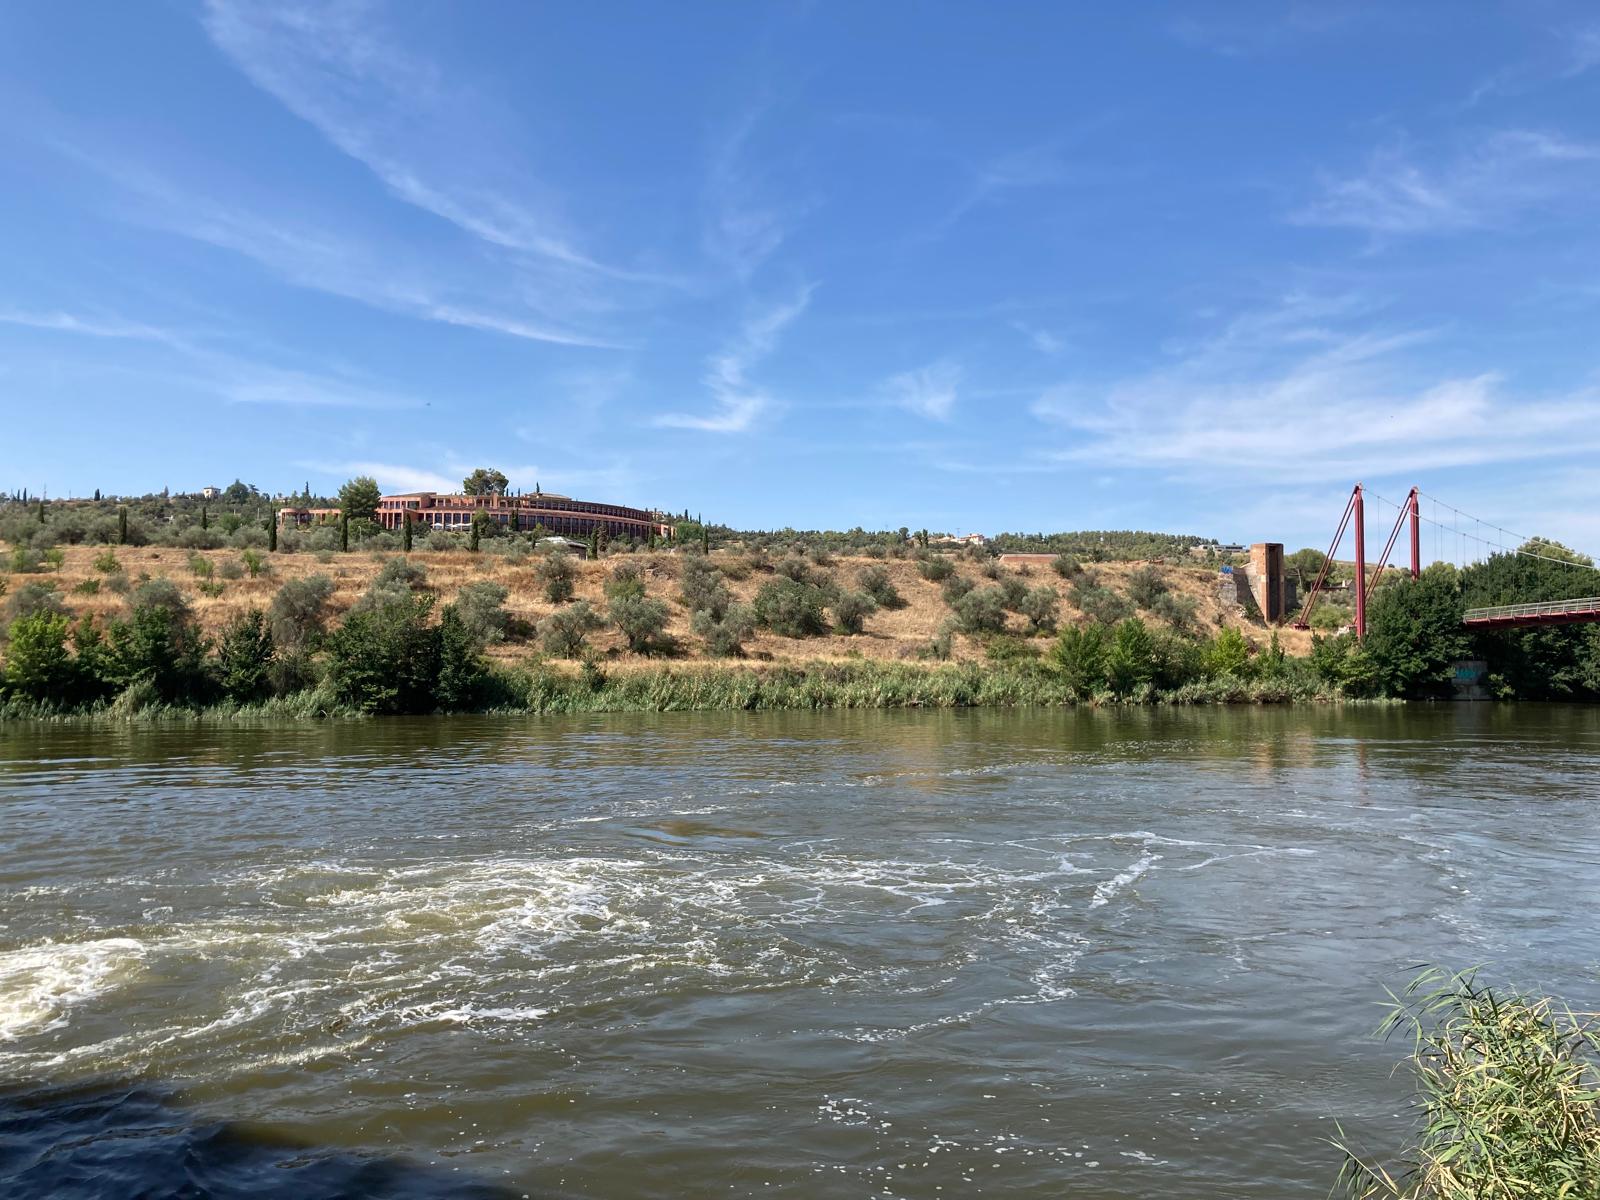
{"x": 890, "y": 634}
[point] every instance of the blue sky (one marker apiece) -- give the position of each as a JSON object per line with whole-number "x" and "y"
{"x": 974, "y": 267}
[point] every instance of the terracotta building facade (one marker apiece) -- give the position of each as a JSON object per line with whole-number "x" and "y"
{"x": 560, "y": 515}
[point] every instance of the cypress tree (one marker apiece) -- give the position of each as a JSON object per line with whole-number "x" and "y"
{"x": 272, "y": 534}
{"x": 122, "y": 526}
{"x": 344, "y": 531}
{"x": 205, "y": 522}
{"x": 705, "y": 539}
{"x": 97, "y": 495}
{"x": 405, "y": 532}
{"x": 41, "y": 512}
{"x": 472, "y": 534}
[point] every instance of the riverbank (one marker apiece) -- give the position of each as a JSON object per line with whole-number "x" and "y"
{"x": 550, "y": 688}
{"x": 219, "y": 586}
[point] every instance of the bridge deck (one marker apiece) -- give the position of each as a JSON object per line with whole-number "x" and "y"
{"x": 1552, "y": 612}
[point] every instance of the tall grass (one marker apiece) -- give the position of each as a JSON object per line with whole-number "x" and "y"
{"x": 549, "y": 688}
{"x": 1508, "y": 1092}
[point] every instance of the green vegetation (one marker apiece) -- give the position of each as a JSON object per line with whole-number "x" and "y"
{"x": 485, "y": 481}
{"x": 1100, "y": 545}
{"x": 1508, "y": 1092}
{"x": 791, "y": 608}
{"x": 358, "y": 499}
{"x": 1415, "y": 635}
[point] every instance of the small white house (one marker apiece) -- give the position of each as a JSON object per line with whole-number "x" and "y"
{"x": 210, "y": 493}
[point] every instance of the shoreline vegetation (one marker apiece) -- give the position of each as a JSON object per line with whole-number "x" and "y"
{"x": 170, "y": 607}
{"x": 588, "y": 688}
{"x": 1507, "y": 1102}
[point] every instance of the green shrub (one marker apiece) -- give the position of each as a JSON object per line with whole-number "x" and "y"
{"x": 1228, "y": 654}
{"x": 106, "y": 562}
{"x": 726, "y": 634}
{"x": 54, "y": 558}
{"x": 851, "y": 610}
{"x": 1145, "y": 585}
{"x": 935, "y": 567}
{"x": 555, "y": 575}
{"x": 385, "y": 658}
{"x": 24, "y": 560}
{"x": 563, "y": 632}
{"x": 798, "y": 569}
{"x": 790, "y": 608}
{"x": 244, "y": 657}
{"x": 1041, "y": 606}
{"x": 626, "y": 583}
{"x": 1079, "y": 657}
{"x": 701, "y": 588}
{"x": 480, "y": 607}
{"x": 299, "y": 612}
{"x": 230, "y": 569}
{"x": 982, "y": 610}
{"x": 640, "y": 620}
{"x": 253, "y": 563}
{"x": 400, "y": 571}
{"x": 86, "y": 587}
{"x": 875, "y": 582}
{"x": 1130, "y": 660}
{"x": 1006, "y": 649}
{"x": 37, "y": 663}
{"x": 34, "y": 597}
{"x": 954, "y": 588}
{"x": 1177, "y": 611}
{"x": 1013, "y": 591}
{"x": 1065, "y": 566}
{"x": 159, "y": 648}
{"x": 464, "y": 677}
{"x": 1099, "y": 603}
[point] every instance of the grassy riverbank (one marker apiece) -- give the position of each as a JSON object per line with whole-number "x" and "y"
{"x": 552, "y": 688}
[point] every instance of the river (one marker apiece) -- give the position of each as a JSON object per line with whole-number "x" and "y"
{"x": 1086, "y": 954}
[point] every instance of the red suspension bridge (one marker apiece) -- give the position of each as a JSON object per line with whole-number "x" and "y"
{"x": 1409, "y": 517}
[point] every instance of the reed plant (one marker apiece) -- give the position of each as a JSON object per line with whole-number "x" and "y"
{"x": 1508, "y": 1098}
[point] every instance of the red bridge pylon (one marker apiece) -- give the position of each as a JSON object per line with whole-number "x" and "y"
{"x": 1356, "y": 507}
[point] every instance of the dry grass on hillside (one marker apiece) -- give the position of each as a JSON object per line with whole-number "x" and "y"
{"x": 890, "y": 633}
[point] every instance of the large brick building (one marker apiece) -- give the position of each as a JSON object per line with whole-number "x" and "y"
{"x": 556, "y": 514}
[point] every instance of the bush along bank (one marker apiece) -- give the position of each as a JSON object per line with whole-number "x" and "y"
{"x": 399, "y": 650}
{"x": 391, "y": 656}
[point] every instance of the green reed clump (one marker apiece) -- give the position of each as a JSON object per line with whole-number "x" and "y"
{"x": 1508, "y": 1092}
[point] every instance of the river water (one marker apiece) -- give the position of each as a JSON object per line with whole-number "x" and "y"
{"x": 1086, "y": 954}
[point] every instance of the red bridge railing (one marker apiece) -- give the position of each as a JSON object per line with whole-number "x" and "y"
{"x": 1551, "y": 612}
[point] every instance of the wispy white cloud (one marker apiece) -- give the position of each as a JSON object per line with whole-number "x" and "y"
{"x": 989, "y": 182}
{"x": 245, "y": 383}
{"x": 229, "y": 376}
{"x": 1043, "y": 340}
{"x": 1490, "y": 184}
{"x": 739, "y": 400}
{"x": 1243, "y": 30}
{"x": 431, "y": 140}
{"x": 100, "y": 327}
{"x": 391, "y": 477}
{"x": 616, "y": 480}
{"x": 1282, "y": 399}
{"x": 745, "y": 219}
{"x": 928, "y": 391}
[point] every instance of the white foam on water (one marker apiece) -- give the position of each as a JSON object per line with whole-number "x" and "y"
{"x": 41, "y": 985}
{"x": 1105, "y": 892}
